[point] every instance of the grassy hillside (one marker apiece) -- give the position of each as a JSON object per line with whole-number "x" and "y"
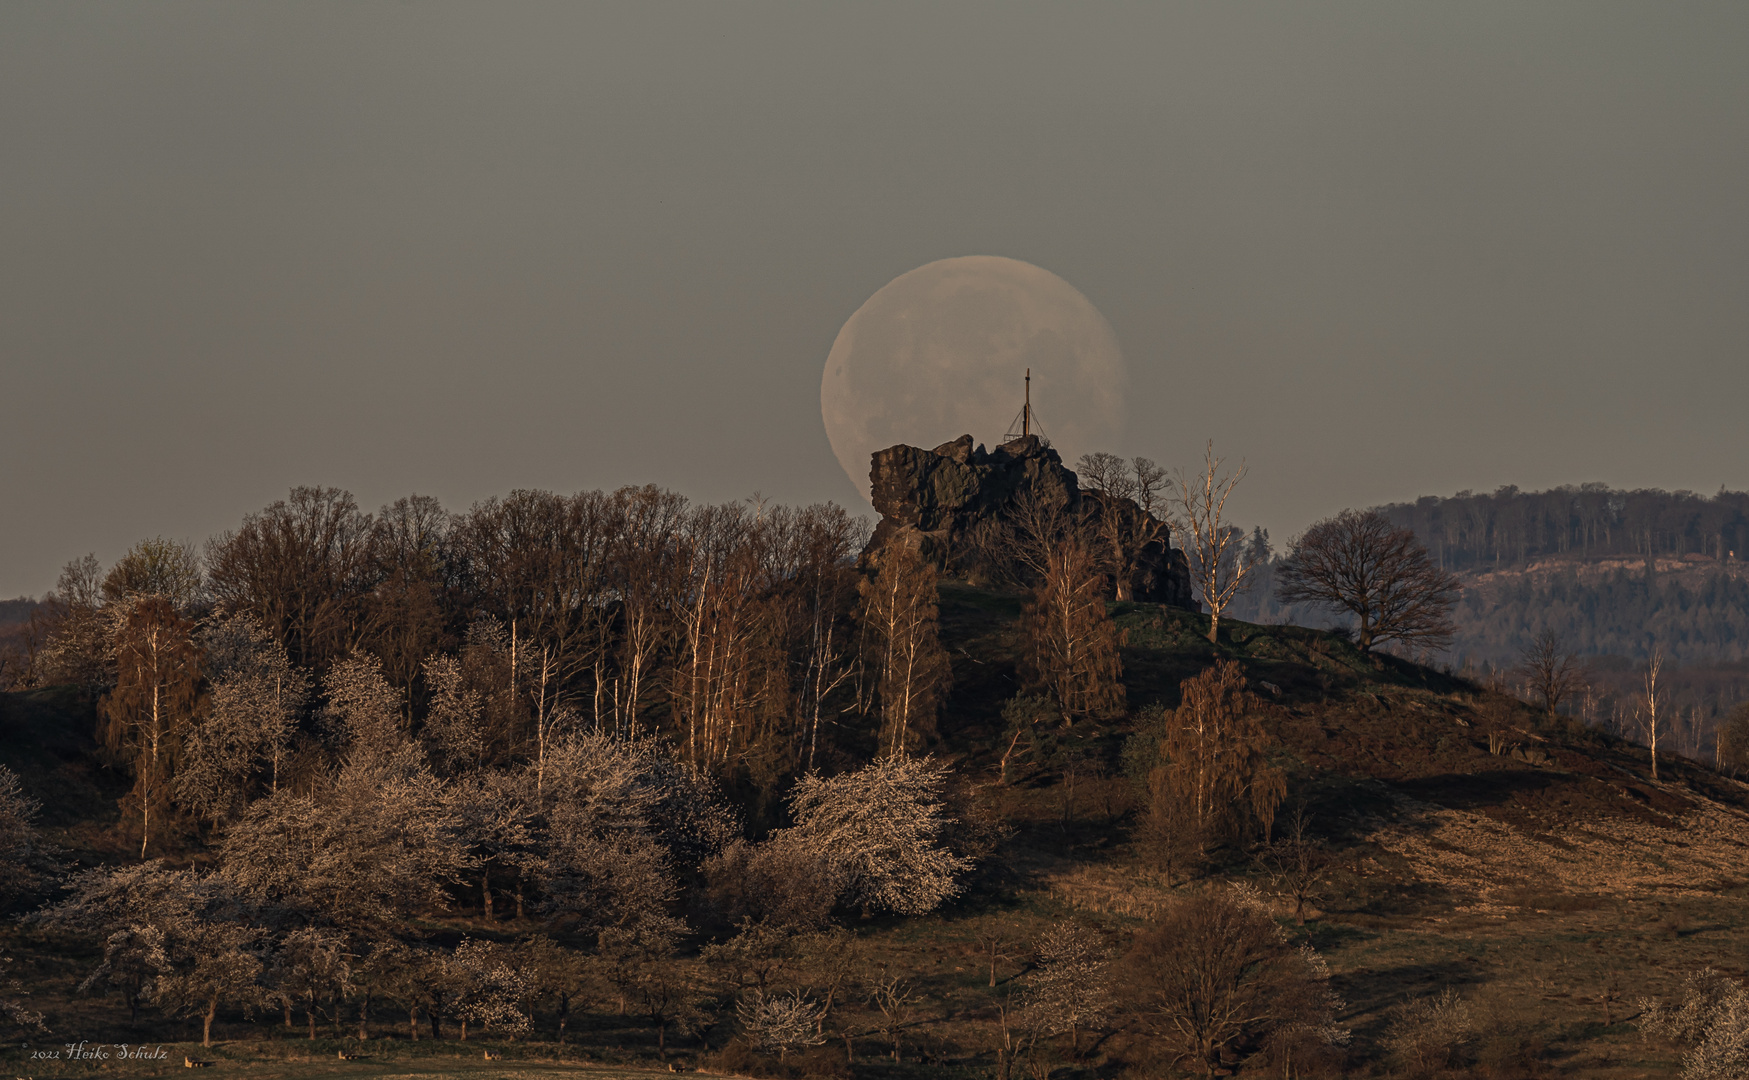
{"x": 1534, "y": 867}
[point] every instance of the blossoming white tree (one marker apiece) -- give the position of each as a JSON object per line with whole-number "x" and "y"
{"x": 881, "y": 830}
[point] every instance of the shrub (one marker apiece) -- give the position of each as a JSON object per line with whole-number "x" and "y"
{"x": 1427, "y": 1033}
{"x": 782, "y": 883}
{"x": 1712, "y": 1020}
{"x": 1216, "y": 979}
{"x": 782, "y": 1022}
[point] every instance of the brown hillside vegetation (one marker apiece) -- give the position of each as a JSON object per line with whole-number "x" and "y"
{"x": 1538, "y": 869}
{"x": 1479, "y": 870}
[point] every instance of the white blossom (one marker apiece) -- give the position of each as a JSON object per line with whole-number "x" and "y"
{"x": 782, "y": 1022}
{"x": 880, "y": 828}
{"x": 490, "y": 989}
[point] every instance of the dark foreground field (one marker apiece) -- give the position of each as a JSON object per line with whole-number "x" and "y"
{"x": 1532, "y": 867}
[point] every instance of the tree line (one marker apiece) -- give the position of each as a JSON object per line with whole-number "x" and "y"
{"x": 1480, "y": 531}
{"x": 664, "y": 742}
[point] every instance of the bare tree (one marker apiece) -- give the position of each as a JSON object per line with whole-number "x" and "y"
{"x": 1731, "y": 745}
{"x": 1107, "y": 474}
{"x": 895, "y": 998}
{"x": 1149, "y": 482}
{"x": 725, "y": 681}
{"x": 159, "y": 567}
{"x": 1123, "y": 532}
{"x": 1647, "y": 708}
{"x": 148, "y": 714}
{"x": 1031, "y": 529}
{"x": 1069, "y": 986}
{"x": 1071, "y": 640}
{"x": 1297, "y": 862}
{"x": 1554, "y": 672}
{"x": 899, "y": 612}
{"x": 75, "y": 630}
{"x": 782, "y": 1022}
{"x": 647, "y": 559}
{"x": 1216, "y": 972}
{"x": 1361, "y": 563}
{"x": 303, "y": 568}
{"x": 411, "y": 559}
{"x": 830, "y": 538}
{"x": 1213, "y": 780}
{"x": 1220, "y": 566}
{"x": 995, "y": 944}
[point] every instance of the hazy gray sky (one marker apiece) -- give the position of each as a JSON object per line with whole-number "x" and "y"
{"x": 1380, "y": 250}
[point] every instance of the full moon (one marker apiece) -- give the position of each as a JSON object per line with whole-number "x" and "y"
{"x": 943, "y": 350}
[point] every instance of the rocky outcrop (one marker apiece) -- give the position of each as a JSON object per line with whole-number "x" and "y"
{"x": 936, "y": 500}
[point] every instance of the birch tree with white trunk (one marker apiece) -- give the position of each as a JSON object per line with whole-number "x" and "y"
{"x": 1220, "y": 565}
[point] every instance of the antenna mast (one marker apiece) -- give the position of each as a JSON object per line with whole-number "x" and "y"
{"x": 1027, "y": 421}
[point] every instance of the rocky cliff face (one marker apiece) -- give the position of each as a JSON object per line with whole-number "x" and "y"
{"x": 934, "y": 499}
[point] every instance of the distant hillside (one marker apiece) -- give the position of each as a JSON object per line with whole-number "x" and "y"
{"x": 1471, "y": 532}
{"x": 1614, "y": 573}
{"x": 1695, "y": 609}
{"x": 13, "y": 612}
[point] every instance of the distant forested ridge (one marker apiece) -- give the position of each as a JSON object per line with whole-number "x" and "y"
{"x": 1471, "y": 532}
{"x": 1693, "y": 613}
{"x": 1613, "y": 573}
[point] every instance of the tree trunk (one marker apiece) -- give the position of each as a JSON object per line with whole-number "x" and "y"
{"x": 364, "y": 1018}
{"x": 486, "y": 894}
{"x": 564, "y": 1012}
{"x": 1009, "y": 753}
{"x": 310, "y": 1015}
{"x": 464, "y": 1030}
{"x": 413, "y": 1022}
{"x": 206, "y": 1028}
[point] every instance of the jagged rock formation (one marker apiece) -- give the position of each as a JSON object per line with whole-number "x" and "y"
{"x": 937, "y": 499}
